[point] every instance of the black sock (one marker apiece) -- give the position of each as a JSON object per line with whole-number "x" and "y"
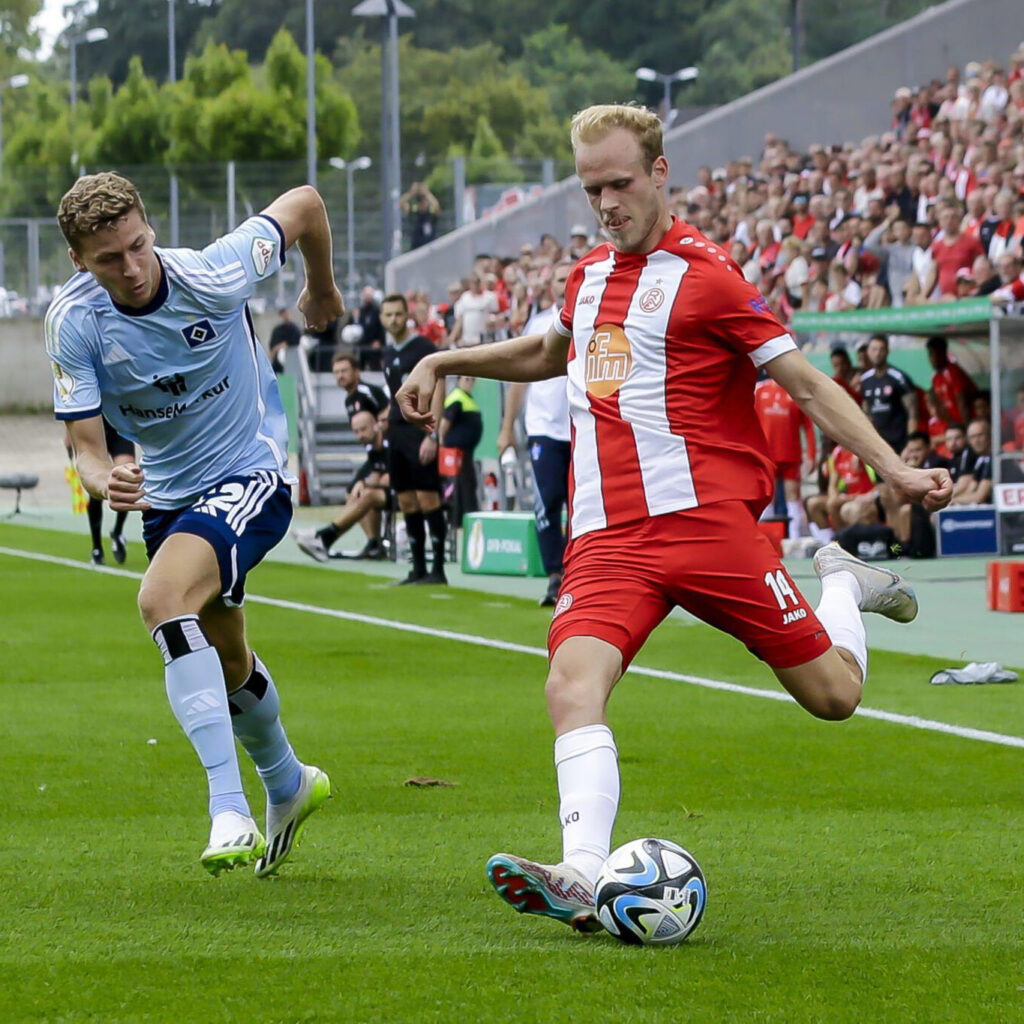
{"x": 435, "y": 520}
{"x": 119, "y": 524}
{"x": 416, "y": 532}
{"x": 329, "y": 534}
{"x": 95, "y": 512}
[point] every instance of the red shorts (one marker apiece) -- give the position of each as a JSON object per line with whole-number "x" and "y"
{"x": 787, "y": 471}
{"x": 712, "y": 560}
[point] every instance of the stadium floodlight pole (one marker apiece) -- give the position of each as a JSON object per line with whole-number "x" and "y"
{"x": 92, "y": 35}
{"x": 682, "y": 75}
{"x": 350, "y": 167}
{"x": 390, "y": 149}
{"x": 14, "y": 82}
{"x": 310, "y": 99}
{"x": 172, "y": 77}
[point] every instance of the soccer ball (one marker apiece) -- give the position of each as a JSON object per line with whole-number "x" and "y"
{"x": 650, "y": 892}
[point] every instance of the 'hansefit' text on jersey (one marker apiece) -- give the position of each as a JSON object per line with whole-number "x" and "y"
{"x": 663, "y": 359}
{"x": 399, "y": 361}
{"x": 185, "y": 375}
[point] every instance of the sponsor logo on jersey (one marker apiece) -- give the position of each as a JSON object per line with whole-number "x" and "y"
{"x": 171, "y": 385}
{"x": 794, "y": 616}
{"x": 588, "y": 300}
{"x": 564, "y": 604}
{"x": 262, "y": 254}
{"x": 609, "y": 358}
{"x": 198, "y": 333}
{"x": 760, "y": 305}
{"x": 65, "y": 382}
{"x": 652, "y": 300}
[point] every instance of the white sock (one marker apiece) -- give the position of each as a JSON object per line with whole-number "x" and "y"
{"x": 822, "y": 533}
{"x": 587, "y": 766}
{"x": 839, "y": 612}
{"x": 797, "y": 519}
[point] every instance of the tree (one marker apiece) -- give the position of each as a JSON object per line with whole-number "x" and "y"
{"x": 15, "y": 34}
{"x": 135, "y": 129}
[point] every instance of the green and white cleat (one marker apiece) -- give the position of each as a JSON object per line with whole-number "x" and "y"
{"x": 234, "y": 840}
{"x": 881, "y": 591}
{"x": 557, "y": 891}
{"x": 284, "y": 821}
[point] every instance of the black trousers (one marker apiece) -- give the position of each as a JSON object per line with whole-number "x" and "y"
{"x": 550, "y": 460}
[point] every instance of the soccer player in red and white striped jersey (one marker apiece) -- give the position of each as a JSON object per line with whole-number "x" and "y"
{"x": 661, "y": 339}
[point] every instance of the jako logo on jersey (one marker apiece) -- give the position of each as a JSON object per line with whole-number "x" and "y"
{"x": 171, "y": 385}
{"x": 564, "y": 604}
{"x": 588, "y": 300}
{"x": 652, "y": 300}
{"x": 198, "y": 333}
{"x": 262, "y": 254}
{"x": 609, "y": 358}
{"x": 760, "y": 305}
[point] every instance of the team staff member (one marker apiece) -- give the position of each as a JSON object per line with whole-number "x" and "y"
{"x": 413, "y": 453}
{"x": 547, "y": 435}
{"x": 890, "y": 399}
{"x": 662, "y": 338}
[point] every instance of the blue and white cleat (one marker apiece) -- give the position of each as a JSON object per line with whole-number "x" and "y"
{"x": 881, "y": 590}
{"x": 557, "y": 891}
{"x": 234, "y": 840}
{"x": 284, "y": 821}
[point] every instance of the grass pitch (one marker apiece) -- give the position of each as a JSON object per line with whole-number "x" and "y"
{"x": 863, "y": 871}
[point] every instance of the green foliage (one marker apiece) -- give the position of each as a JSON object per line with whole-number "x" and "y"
{"x": 574, "y": 77}
{"x": 216, "y": 69}
{"x": 135, "y": 129}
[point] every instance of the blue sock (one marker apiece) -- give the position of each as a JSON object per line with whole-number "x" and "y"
{"x": 196, "y": 691}
{"x": 255, "y": 718}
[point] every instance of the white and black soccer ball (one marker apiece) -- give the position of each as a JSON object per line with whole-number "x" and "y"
{"x": 650, "y": 892}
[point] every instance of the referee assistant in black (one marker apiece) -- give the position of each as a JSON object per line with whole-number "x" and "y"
{"x": 413, "y": 454}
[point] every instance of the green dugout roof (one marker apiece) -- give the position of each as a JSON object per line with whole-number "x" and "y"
{"x": 966, "y": 316}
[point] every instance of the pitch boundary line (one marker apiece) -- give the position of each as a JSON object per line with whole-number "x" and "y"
{"x": 911, "y": 721}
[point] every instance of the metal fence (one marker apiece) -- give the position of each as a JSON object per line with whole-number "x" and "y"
{"x": 212, "y": 199}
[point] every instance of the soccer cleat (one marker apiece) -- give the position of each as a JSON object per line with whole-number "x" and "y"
{"x": 551, "y": 594}
{"x": 234, "y": 839}
{"x": 434, "y": 577}
{"x": 558, "y": 891}
{"x": 97, "y": 557}
{"x": 118, "y": 548}
{"x": 284, "y": 821}
{"x": 881, "y": 591}
{"x": 312, "y": 544}
{"x": 415, "y": 576}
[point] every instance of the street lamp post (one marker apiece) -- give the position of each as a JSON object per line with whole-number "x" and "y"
{"x": 390, "y": 147}
{"x": 93, "y": 35}
{"x": 14, "y": 82}
{"x": 350, "y": 167}
{"x": 310, "y": 99}
{"x": 682, "y": 75}
{"x": 172, "y": 77}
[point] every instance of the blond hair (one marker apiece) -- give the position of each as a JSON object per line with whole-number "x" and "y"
{"x": 594, "y": 123}
{"x": 96, "y": 201}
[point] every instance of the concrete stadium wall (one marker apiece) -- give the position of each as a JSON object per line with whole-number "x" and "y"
{"x": 843, "y": 98}
{"x": 26, "y": 381}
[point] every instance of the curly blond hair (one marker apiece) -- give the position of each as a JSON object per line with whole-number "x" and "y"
{"x": 96, "y": 201}
{"x": 594, "y": 123}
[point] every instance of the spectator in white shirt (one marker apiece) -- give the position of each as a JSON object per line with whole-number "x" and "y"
{"x": 472, "y": 313}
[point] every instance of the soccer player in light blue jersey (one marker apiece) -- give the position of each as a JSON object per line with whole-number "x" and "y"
{"x": 161, "y": 343}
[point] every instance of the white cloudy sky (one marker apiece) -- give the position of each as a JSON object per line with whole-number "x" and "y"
{"x": 49, "y": 23}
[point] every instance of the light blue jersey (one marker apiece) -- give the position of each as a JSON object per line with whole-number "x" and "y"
{"x": 184, "y": 376}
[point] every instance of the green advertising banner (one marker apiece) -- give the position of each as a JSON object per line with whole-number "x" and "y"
{"x": 966, "y": 316}
{"x": 501, "y": 544}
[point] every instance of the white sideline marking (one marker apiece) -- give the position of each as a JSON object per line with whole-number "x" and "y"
{"x": 912, "y": 721}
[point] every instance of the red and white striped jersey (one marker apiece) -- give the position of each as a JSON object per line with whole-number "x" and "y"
{"x": 663, "y": 359}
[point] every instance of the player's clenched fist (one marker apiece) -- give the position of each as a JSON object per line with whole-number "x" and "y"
{"x": 125, "y": 488}
{"x": 416, "y": 393}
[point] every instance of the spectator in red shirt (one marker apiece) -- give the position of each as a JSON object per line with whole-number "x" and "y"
{"x": 954, "y": 390}
{"x": 952, "y": 251}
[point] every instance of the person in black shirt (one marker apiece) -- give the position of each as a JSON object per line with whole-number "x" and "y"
{"x": 366, "y": 500}
{"x": 421, "y": 207}
{"x": 285, "y": 335}
{"x": 961, "y": 457}
{"x": 371, "y": 344}
{"x": 413, "y": 454}
{"x": 975, "y": 487}
{"x": 889, "y": 396}
{"x": 359, "y": 395}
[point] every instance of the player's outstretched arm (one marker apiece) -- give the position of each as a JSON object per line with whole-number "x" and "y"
{"x": 303, "y": 218}
{"x": 839, "y": 418}
{"x": 121, "y": 485}
{"x": 532, "y": 357}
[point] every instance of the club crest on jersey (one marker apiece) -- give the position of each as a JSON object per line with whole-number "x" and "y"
{"x": 198, "y": 333}
{"x": 564, "y": 604}
{"x": 651, "y": 300}
{"x": 609, "y": 358}
{"x": 262, "y": 254}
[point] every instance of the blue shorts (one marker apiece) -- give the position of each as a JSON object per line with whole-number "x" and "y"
{"x": 242, "y": 518}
